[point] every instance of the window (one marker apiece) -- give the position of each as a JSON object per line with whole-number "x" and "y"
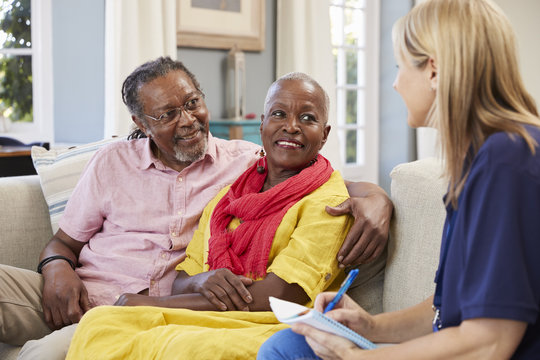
{"x": 25, "y": 75}
{"x": 355, "y": 37}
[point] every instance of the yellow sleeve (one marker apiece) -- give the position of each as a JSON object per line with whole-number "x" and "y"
{"x": 308, "y": 239}
{"x": 196, "y": 251}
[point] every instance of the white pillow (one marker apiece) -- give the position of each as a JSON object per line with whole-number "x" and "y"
{"x": 59, "y": 171}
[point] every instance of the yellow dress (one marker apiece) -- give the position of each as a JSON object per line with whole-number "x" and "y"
{"x": 304, "y": 251}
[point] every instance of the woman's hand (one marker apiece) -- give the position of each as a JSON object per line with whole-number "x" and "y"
{"x": 326, "y": 345}
{"x": 347, "y": 312}
{"x": 372, "y": 211}
{"x": 222, "y": 288}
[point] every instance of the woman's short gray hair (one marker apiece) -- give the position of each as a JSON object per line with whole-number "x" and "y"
{"x": 303, "y": 77}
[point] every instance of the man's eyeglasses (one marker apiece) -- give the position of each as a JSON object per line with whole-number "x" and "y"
{"x": 169, "y": 116}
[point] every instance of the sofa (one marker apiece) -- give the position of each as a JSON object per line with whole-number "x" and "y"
{"x": 413, "y": 250}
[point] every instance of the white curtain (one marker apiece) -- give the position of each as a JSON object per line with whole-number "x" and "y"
{"x": 303, "y": 44}
{"x": 135, "y": 31}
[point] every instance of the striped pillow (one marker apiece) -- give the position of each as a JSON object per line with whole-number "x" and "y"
{"x": 59, "y": 170}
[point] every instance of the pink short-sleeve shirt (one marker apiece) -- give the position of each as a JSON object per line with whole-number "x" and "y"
{"x": 137, "y": 216}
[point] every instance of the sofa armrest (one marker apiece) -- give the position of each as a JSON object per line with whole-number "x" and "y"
{"x": 417, "y": 189}
{"x": 25, "y": 225}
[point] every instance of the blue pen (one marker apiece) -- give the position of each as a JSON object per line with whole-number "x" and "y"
{"x": 344, "y": 287}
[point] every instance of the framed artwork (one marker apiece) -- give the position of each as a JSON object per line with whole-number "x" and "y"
{"x": 221, "y": 24}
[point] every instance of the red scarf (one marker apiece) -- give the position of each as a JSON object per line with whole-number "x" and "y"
{"x": 245, "y": 250}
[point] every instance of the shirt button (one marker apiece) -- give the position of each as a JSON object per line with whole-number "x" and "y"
{"x": 152, "y": 282}
{"x": 179, "y": 213}
{"x": 173, "y": 234}
{"x": 163, "y": 256}
{"x": 180, "y": 179}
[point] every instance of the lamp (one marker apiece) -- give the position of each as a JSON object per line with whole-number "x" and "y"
{"x": 236, "y": 84}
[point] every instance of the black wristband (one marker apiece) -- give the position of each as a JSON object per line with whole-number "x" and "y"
{"x": 47, "y": 260}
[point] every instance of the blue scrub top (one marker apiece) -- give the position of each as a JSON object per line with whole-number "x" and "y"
{"x": 492, "y": 268}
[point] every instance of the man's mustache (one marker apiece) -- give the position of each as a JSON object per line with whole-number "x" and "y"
{"x": 186, "y": 131}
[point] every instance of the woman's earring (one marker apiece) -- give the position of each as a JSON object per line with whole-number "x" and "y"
{"x": 260, "y": 168}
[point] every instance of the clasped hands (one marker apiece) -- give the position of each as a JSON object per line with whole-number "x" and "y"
{"x": 223, "y": 289}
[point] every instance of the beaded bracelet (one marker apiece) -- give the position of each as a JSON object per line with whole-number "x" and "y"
{"x": 47, "y": 260}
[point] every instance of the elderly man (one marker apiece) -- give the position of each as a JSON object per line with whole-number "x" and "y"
{"x": 135, "y": 209}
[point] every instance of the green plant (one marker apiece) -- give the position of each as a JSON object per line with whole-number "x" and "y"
{"x": 15, "y": 70}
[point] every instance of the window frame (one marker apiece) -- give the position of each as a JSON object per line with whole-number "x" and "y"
{"x": 368, "y": 171}
{"x": 42, "y": 127}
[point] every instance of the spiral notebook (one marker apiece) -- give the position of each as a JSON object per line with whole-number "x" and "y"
{"x": 290, "y": 313}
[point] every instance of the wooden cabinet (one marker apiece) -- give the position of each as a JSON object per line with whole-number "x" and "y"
{"x": 16, "y": 161}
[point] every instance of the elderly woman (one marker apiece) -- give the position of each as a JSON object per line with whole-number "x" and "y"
{"x": 458, "y": 72}
{"x": 267, "y": 234}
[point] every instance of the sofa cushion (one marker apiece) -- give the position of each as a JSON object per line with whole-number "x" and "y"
{"x": 24, "y": 221}
{"x": 415, "y": 233}
{"x": 59, "y": 170}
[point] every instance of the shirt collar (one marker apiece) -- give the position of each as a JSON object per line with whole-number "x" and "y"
{"x": 147, "y": 156}
{"x": 211, "y": 152}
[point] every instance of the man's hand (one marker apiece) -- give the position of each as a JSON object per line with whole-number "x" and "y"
{"x": 221, "y": 287}
{"x": 136, "y": 300}
{"x": 368, "y": 235}
{"x": 65, "y": 299}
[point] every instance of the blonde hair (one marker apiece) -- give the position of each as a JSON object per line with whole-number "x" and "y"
{"x": 479, "y": 87}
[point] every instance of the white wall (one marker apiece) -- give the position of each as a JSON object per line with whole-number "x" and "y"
{"x": 396, "y": 138}
{"x": 523, "y": 15}
{"x": 78, "y": 44}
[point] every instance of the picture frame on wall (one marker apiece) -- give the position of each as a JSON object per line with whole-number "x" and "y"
{"x": 221, "y": 24}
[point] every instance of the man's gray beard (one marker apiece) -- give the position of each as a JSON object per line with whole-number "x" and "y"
{"x": 193, "y": 154}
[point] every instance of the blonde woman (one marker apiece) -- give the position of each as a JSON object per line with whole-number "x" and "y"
{"x": 458, "y": 72}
